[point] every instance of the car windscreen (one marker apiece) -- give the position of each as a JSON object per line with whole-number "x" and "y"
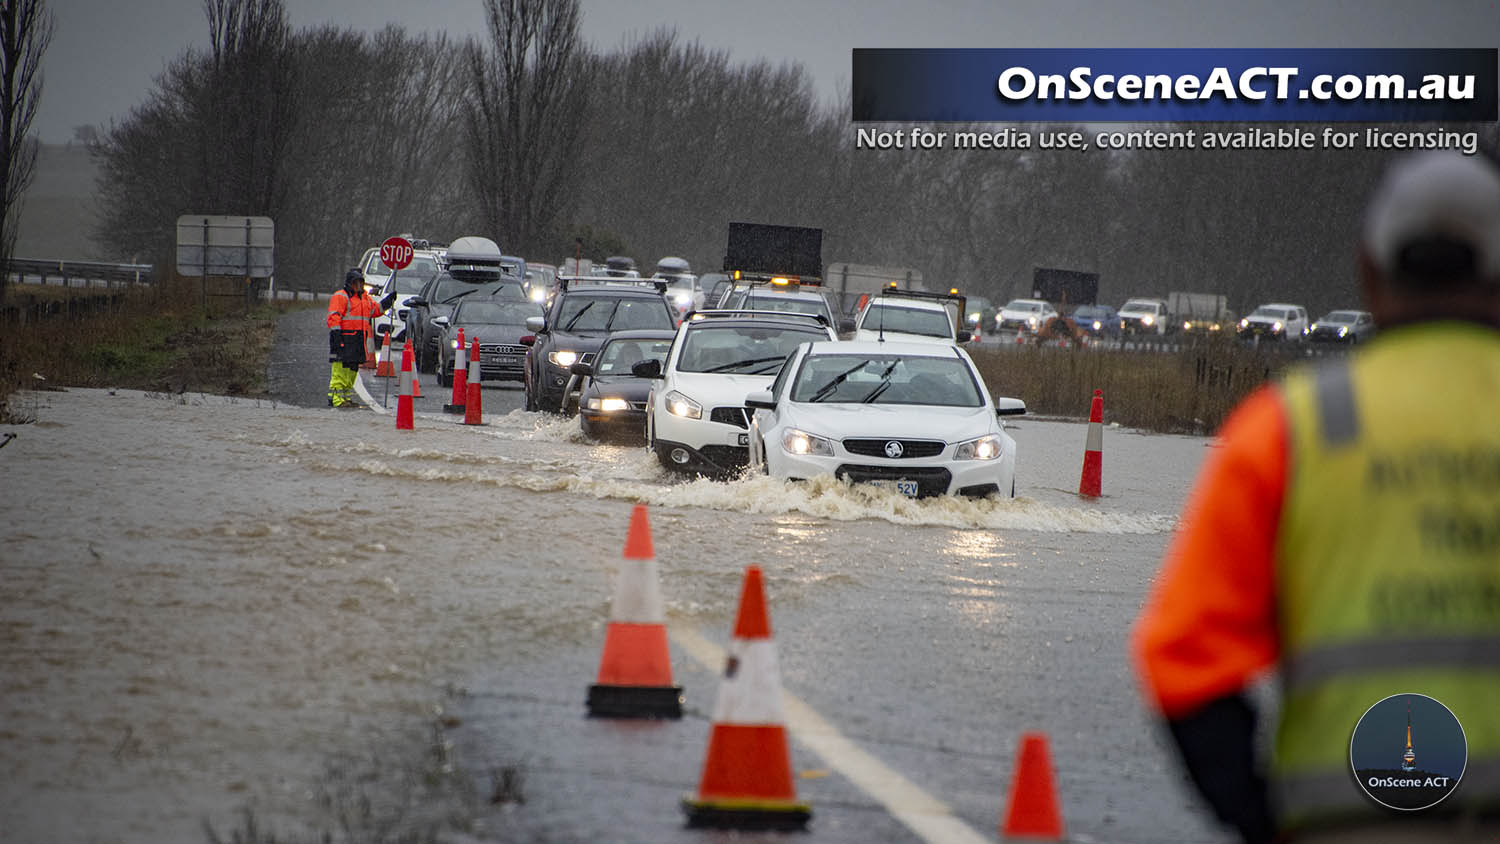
{"x": 620, "y": 354}
{"x": 906, "y": 321}
{"x": 602, "y": 313}
{"x": 410, "y": 285}
{"x": 1340, "y": 317}
{"x": 1147, "y": 307}
{"x": 886, "y": 379}
{"x": 1089, "y": 312}
{"x": 741, "y": 349}
{"x": 1270, "y": 313}
{"x": 775, "y": 302}
{"x": 449, "y": 290}
{"x": 508, "y": 312}
{"x": 1021, "y": 305}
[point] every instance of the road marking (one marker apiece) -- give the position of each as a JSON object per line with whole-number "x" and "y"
{"x": 931, "y": 819}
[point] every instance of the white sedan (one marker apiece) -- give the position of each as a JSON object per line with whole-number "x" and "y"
{"x": 912, "y": 416}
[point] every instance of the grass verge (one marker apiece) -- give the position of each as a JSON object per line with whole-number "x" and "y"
{"x": 160, "y": 339}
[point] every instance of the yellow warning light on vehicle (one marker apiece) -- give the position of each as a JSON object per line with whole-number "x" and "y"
{"x": 736, "y": 275}
{"x": 780, "y": 280}
{"x": 953, "y": 291}
{"x": 892, "y": 284}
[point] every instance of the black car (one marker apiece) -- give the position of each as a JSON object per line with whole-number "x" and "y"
{"x": 498, "y": 322}
{"x": 582, "y": 313}
{"x": 612, "y": 401}
{"x": 437, "y": 299}
{"x": 1097, "y": 321}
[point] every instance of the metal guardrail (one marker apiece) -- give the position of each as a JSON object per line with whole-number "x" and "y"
{"x": 84, "y": 273}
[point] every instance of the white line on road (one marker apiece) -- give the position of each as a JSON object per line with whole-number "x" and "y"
{"x": 928, "y": 817}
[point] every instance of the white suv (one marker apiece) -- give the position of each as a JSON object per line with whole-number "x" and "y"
{"x": 912, "y": 317}
{"x": 1022, "y": 315}
{"x": 1277, "y": 320}
{"x": 695, "y": 415}
{"x": 1144, "y": 316}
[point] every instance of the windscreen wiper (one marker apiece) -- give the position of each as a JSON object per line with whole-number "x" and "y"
{"x": 885, "y": 382}
{"x": 736, "y": 364}
{"x": 581, "y": 311}
{"x": 455, "y": 297}
{"x": 837, "y": 380}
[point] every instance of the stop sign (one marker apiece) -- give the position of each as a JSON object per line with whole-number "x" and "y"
{"x": 395, "y": 253}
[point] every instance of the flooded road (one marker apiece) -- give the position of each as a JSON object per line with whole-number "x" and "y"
{"x": 211, "y": 605}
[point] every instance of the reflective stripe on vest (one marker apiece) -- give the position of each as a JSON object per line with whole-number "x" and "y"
{"x": 1388, "y": 557}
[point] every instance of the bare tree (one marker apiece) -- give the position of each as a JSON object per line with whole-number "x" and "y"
{"x": 528, "y": 90}
{"x": 25, "y": 32}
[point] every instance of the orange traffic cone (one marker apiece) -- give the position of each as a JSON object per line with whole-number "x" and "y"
{"x": 403, "y": 399}
{"x": 473, "y": 411}
{"x": 383, "y": 367}
{"x": 1032, "y": 811}
{"x": 635, "y": 670}
{"x": 747, "y": 777}
{"x": 369, "y": 333}
{"x": 460, "y": 376}
{"x": 1093, "y": 450}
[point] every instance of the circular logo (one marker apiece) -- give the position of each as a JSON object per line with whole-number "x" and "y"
{"x": 1408, "y": 752}
{"x": 893, "y": 449}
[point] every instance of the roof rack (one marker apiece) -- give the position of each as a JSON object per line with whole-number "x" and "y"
{"x": 565, "y": 281}
{"x": 739, "y": 312}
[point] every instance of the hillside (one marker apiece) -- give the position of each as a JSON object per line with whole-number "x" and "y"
{"x": 58, "y": 211}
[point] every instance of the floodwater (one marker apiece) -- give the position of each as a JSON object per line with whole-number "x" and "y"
{"x": 217, "y": 612}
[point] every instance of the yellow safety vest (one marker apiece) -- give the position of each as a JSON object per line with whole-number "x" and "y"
{"x": 1388, "y": 560}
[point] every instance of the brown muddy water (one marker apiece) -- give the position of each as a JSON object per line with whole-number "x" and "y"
{"x": 209, "y": 605}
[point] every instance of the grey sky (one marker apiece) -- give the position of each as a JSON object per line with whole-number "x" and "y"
{"x": 105, "y": 53}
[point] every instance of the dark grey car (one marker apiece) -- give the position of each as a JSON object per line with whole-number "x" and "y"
{"x": 498, "y": 322}
{"x": 437, "y": 299}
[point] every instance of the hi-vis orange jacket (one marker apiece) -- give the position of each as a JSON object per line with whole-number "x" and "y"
{"x": 353, "y": 313}
{"x": 1210, "y": 624}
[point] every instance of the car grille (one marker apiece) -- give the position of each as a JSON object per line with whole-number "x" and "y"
{"x": 728, "y": 456}
{"x": 909, "y": 448}
{"x": 931, "y": 480}
{"x": 501, "y": 349}
{"x": 735, "y": 416}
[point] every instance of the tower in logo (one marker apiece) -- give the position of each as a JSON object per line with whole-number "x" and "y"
{"x": 1408, "y": 759}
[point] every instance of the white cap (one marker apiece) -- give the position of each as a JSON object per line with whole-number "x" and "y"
{"x": 1437, "y": 194}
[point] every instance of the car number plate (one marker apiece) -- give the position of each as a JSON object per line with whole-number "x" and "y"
{"x": 906, "y": 488}
{"x": 502, "y": 359}
{"x": 743, "y": 439}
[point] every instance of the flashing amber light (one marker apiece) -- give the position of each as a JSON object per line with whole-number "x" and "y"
{"x": 953, "y": 291}
{"x": 892, "y": 284}
{"x": 736, "y": 275}
{"x": 781, "y": 280}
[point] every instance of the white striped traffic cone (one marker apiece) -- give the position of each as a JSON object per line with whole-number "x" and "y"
{"x": 635, "y": 669}
{"x": 747, "y": 777}
{"x": 1090, "y": 481}
{"x": 460, "y": 376}
{"x": 383, "y": 366}
{"x": 473, "y": 412}
{"x": 403, "y": 399}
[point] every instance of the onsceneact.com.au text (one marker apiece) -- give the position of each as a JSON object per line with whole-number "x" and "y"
{"x": 1252, "y": 83}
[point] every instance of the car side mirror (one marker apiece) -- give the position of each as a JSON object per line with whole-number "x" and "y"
{"x": 440, "y": 320}
{"x": 383, "y": 328}
{"x": 581, "y": 368}
{"x": 527, "y": 340}
{"x": 761, "y": 400}
{"x": 846, "y": 325}
{"x": 1010, "y": 407}
{"x": 536, "y": 324}
{"x": 964, "y": 335}
{"x": 416, "y": 302}
{"x": 646, "y": 369}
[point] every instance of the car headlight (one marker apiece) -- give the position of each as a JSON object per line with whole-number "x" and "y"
{"x": 1276, "y": 326}
{"x": 1187, "y": 326}
{"x": 1098, "y": 325}
{"x": 453, "y": 344}
{"x": 985, "y": 448}
{"x": 563, "y": 358}
{"x": 801, "y": 442}
{"x": 1245, "y": 323}
{"x": 606, "y": 405}
{"x": 1314, "y": 326}
{"x": 1343, "y": 331}
{"x": 1148, "y": 320}
{"x": 680, "y": 405}
{"x": 683, "y": 298}
{"x": 538, "y": 294}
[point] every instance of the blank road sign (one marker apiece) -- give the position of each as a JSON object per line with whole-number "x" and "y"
{"x": 225, "y": 245}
